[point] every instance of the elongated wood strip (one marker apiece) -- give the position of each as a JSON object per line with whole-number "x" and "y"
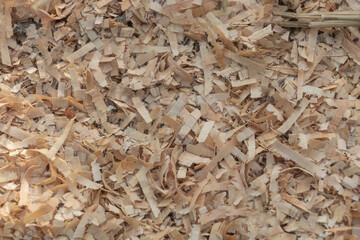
{"x": 44, "y": 52}
{"x": 144, "y": 113}
{"x": 243, "y": 60}
{"x": 74, "y": 80}
{"x": 261, "y": 33}
{"x": 311, "y": 44}
{"x": 293, "y": 117}
{"x": 127, "y": 120}
{"x": 245, "y": 134}
{"x": 187, "y": 159}
{"x": 179, "y": 70}
{"x": 316, "y": 14}
{"x": 205, "y": 131}
{"x": 341, "y": 17}
{"x": 148, "y": 192}
{"x": 334, "y": 24}
{"x": 300, "y": 83}
{"x": 4, "y": 48}
{"x": 24, "y": 189}
{"x": 220, "y": 213}
{"x": 289, "y": 154}
{"x": 228, "y": 148}
{"x": 60, "y": 141}
{"x": 207, "y": 74}
{"x": 80, "y": 229}
{"x": 81, "y": 52}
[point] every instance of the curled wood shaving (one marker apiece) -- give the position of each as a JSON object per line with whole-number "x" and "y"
{"x": 187, "y": 159}
{"x": 24, "y": 189}
{"x": 42, "y": 210}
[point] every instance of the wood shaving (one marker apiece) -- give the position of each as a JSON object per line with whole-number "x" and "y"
{"x": 194, "y": 119}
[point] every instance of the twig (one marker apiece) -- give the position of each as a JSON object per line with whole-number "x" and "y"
{"x": 329, "y": 19}
{"x": 335, "y": 24}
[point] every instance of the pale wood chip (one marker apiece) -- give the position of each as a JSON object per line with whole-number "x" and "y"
{"x": 207, "y": 73}
{"x": 42, "y": 210}
{"x": 4, "y": 48}
{"x": 205, "y": 131}
{"x": 7, "y": 176}
{"x": 264, "y": 32}
{"x": 44, "y": 52}
{"x": 311, "y": 44}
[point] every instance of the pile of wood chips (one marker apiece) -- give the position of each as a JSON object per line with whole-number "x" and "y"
{"x": 169, "y": 119}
